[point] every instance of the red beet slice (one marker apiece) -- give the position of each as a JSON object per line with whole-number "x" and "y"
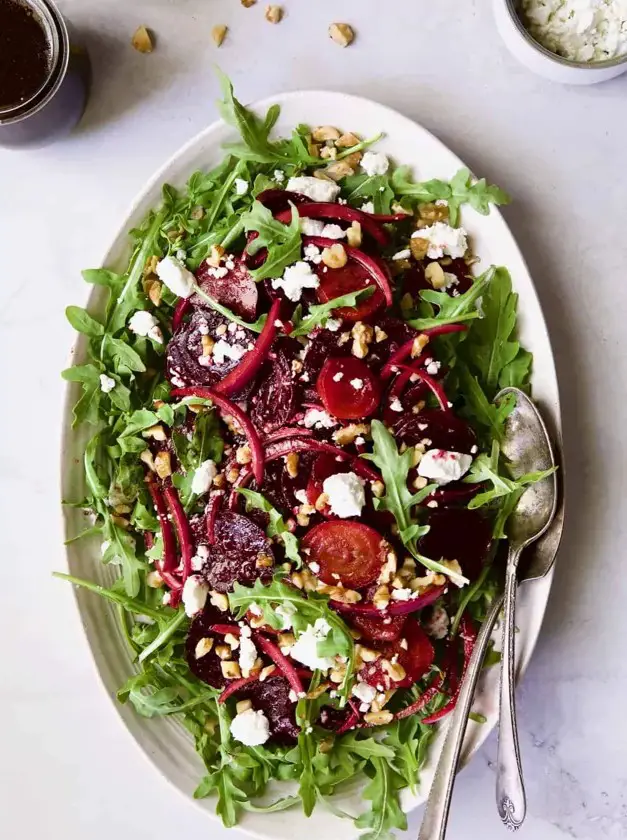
{"x": 444, "y": 429}
{"x": 272, "y": 696}
{"x": 341, "y": 281}
{"x": 377, "y": 269}
{"x": 343, "y": 399}
{"x": 377, "y": 630}
{"x": 207, "y": 668}
{"x": 236, "y": 290}
{"x": 239, "y": 544}
{"x": 352, "y": 551}
{"x": 274, "y": 402}
{"x": 250, "y": 364}
{"x": 324, "y": 466}
{"x": 322, "y": 346}
{"x": 278, "y": 200}
{"x": 458, "y": 534}
{"x": 341, "y": 212}
{"x": 416, "y": 659}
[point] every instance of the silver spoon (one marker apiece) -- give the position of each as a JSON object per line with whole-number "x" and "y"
{"x": 526, "y": 443}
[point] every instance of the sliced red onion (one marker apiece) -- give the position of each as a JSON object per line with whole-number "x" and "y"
{"x": 170, "y": 555}
{"x": 211, "y": 512}
{"x": 395, "y": 608}
{"x": 287, "y": 432}
{"x": 253, "y": 360}
{"x": 183, "y": 529}
{"x": 444, "y": 329}
{"x": 468, "y": 636}
{"x": 179, "y": 313}
{"x": 225, "y": 629}
{"x": 426, "y": 697}
{"x": 237, "y": 685}
{"x": 435, "y": 387}
{"x": 228, "y": 407}
{"x": 281, "y": 661}
{"x": 326, "y": 210}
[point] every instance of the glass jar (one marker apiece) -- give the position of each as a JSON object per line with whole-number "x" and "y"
{"x": 57, "y": 106}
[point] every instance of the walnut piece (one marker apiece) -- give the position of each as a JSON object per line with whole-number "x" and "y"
{"x": 218, "y": 33}
{"x": 273, "y": 14}
{"x": 325, "y": 132}
{"x": 342, "y": 34}
{"x": 363, "y": 335}
{"x": 142, "y": 40}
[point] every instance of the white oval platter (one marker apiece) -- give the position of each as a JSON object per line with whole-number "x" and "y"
{"x": 166, "y": 743}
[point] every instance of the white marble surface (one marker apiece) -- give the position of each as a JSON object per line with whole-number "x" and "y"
{"x": 68, "y": 769}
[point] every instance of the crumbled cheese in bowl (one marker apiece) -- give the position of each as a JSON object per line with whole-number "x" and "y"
{"x": 579, "y": 30}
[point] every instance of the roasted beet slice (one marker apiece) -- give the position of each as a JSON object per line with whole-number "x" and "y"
{"x": 414, "y": 280}
{"x": 272, "y": 697}
{"x": 458, "y": 534}
{"x": 185, "y": 363}
{"x": 397, "y": 333}
{"x": 239, "y": 544}
{"x": 280, "y": 488}
{"x": 348, "y": 388}
{"x": 444, "y": 429}
{"x": 236, "y": 289}
{"x": 207, "y": 668}
{"x": 351, "y": 278}
{"x": 416, "y": 659}
{"x": 379, "y": 630}
{"x": 279, "y": 200}
{"x": 322, "y": 345}
{"x": 347, "y": 552}
{"x": 274, "y": 402}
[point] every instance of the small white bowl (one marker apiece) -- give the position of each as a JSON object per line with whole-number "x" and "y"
{"x": 542, "y": 61}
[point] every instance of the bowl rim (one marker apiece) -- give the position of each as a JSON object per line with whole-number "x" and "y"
{"x": 510, "y": 6}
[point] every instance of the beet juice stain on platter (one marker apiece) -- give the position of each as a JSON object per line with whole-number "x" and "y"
{"x": 44, "y": 75}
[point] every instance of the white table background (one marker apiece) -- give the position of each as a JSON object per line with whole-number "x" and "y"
{"x": 67, "y": 768}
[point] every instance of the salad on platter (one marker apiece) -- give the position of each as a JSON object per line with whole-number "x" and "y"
{"x": 295, "y": 463}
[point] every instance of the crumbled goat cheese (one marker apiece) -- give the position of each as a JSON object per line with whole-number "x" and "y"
{"x": 251, "y": 728}
{"x": 218, "y": 271}
{"x": 203, "y": 477}
{"x": 443, "y": 240}
{"x": 314, "y": 567}
{"x": 401, "y": 594}
{"x": 433, "y": 367}
{"x": 333, "y": 324}
{"x": 145, "y": 324}
{"x": 313, "y": 254}
{"x": 311, "y": 227}
{"x": 405, "y": 254}
{"x": 579, "y": 30}
{"x": 338, "y": 376}
{"x": 305, "y": 649}
{"x": 200, "y": 558}
{"x": 195, "y": 593}
{"x": 367, "y": 207}
{"x": 179, "y": 280}
{"x": 333, "y": 232}
{"x": 449, "y": 280}
{"x": 317, "y": 419}
{"x": 357, "y": 384}
{"x": 437, "y": 626}
{"x": 279, "y": 176}
{"x": 106, "y": 383}
{"x": 222, "y": 350}
{"x": 314, "y": 188}
{"x": 375, "y": 163}
{"x": 241, "y": 186}
{"x": 395, "y": 404}
{"x": 443, "y": 466}
{"x": 301, "y": 496}
{"x": 247, "y": 654}
{"x": 296, "y": 278}
{"x": 364, "y": 692}
{"x": 346, "y": 494}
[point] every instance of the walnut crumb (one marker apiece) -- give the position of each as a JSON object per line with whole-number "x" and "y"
{"x": 273, "y": 14}
{"x": 142, "y": 40}
{"x": 342, "y": 34}
{"x": 218, "y": 33}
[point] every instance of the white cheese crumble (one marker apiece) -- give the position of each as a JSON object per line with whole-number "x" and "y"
{"x": 145, "y": 324}
{"x": 315, "y": 567}
{"x": 251, "y": 728}
{"x": 305, "y": 649}
{"x": 401, "y": 594}
{"x": 375, "y": 163}
{"x": 286, "y": 611}
{"x": 333, "y": 324}
{"x": 437, "y": 626}
{"x": 313, "y": 254}
{"x": 179, "y": 280}
{"x": 106, "y": 383}
{"x": 443, "y": 240}
{"x": 279, "y": 176}
{"x": 357, "y": 384}
{"x": 314, "y": 188}
{"x": 433, "y": 367}
{"x": 579, "y": 30}
{"x": 338, "y": 376}
{"x": 346, "y": 494}
{"x": 333, "y": 232}
{"x": 200, "y": 558}
{"x": 241, "y": 186}
{"x": 203, "y": 477}
{"x": 295, "y": 279}
{"x": 317, "y": 419}
{"x": 364, "y": 692}
{"x": 195, "y": 593}
{"x": 247, "y": 652}
{"x": 222, "y": 350}
{"x": 311, "y": 227}
{"x": 367, "y": 207}
{"x": 443, "y": 466}
{"x": 405, "y": 254}
{"x": 396, "y": 405}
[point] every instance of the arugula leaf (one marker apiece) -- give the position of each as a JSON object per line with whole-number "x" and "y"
{"x": 385, "y": 811}
{"x": 488, "y": 416}
{"x": 255, "y": 326}
{"x": 131, "y": 604}
{"x": 365, "y": 747}
{"x": 319, "y": 314}
{"x": 138, "y": 421}
{"x": 459, "y": 191}
{"x": 283, "y": 242}
{"x": 83, "y": 322}
{"x": 124, "y": 354}
{"x": 276, "y": 526}
{"x": 363, "y": 188}
{"x": 454, "y": 310}
{"x": 409, "y": 740}
{"x": 394, "y": 467}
